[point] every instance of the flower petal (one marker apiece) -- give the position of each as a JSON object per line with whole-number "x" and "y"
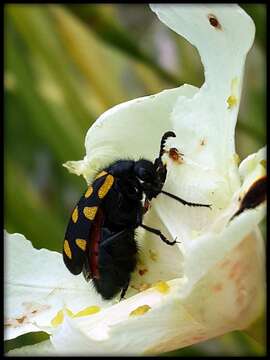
{"x": 37, "y": 286}
{"x": 223, "y": 34}
{"x": 163, "y": 318}
{"x": 130, "y": 130}
{"x": 253, "y": 168}
{"x": 223, "y": 236}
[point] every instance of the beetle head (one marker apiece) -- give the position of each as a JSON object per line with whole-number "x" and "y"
{"x": 153, "y": 175}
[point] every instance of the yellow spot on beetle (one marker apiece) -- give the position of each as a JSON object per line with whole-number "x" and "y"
{"x": 58, "y": 319}
{"x": 88, "y": 192}
{"x": 75, "y": 215}
{"x": 106, "y": 186}
{"x": 81, "y": 243}
{"x": 67, "y": 249}
{"x": 162, "y": 287}
{"x": 140, "y": 310}
{"x": 90, "y": 310}
{"x": 90, "y": 212}
{"x": 102, "y": 173}
{"x": 231, "y": 101}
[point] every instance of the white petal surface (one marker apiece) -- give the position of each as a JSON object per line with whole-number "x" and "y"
{"x": 173, "y": 320}
{"x": 209, "y": 118}
{"x": 252, "y": 168}
{"x": 223, "y": 235}
{"x": 130, "y": 130}
{"x": 37, "y": 285}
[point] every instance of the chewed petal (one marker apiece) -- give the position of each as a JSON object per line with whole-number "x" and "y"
{"x": 205, "y": 124}
{"x": 37, "y": 286}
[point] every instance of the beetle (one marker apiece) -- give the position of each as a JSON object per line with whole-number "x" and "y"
{"x": 100, "y": 236}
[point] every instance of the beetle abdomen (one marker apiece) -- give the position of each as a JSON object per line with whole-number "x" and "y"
{"x": 116, "y": 261}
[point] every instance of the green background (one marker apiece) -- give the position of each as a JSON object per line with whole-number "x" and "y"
{"x": 64, "y": 66}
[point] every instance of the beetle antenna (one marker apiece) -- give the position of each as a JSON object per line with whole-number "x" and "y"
{"x": 182, "y": 201}
{"x": 163, "y": 140}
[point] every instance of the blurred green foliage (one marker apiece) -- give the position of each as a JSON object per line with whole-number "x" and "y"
{"x": 64, "y": 66}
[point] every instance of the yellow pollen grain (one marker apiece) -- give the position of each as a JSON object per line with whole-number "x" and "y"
{"x": 140, "y": 310}
{"x": 231, "y": 101}
{"x": 90, "y": 212}
{"x": 75, "y": 215}
{"x": 67, "y": 249}
{"x": 90, "y": 310}
{"x": 69, "y": 313}
{"x": 58, "y": 319}
{"x": 153, "y": 255}
{"x": 106, "y": 186}
{"x": 162, "y": 287}
{"x": 102, "y": 173}
{"x": 88, "y": 192}
{"x": 81, "y": 243}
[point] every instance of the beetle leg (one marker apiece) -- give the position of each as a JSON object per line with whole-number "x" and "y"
{"x": 124, "y": 290}
{"x": 159, "y": 233}
{"x": 112, "y": 238}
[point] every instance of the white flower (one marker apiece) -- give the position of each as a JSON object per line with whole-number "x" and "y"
{"x": 210, "y": 283}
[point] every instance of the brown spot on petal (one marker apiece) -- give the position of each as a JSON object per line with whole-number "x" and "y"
{"x": 142, "y": 271}
{"x": 236, "y": 267}
{"x": 214, "y": 21}
{"x": 217, "y": 288}
{"x": 198, "y": 338}
{"x": 21, "y": 319}
{"x": 203, "y": 142}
